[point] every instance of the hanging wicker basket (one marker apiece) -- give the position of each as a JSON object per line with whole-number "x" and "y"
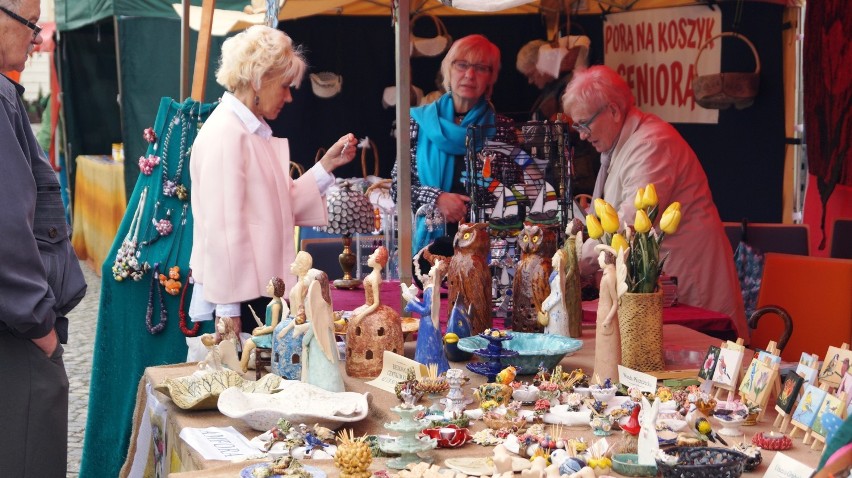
{"x": 723, "y": 90}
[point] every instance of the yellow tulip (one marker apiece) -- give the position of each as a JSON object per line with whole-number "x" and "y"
{"x": 642, "y": 223}
{"x": 649, "y": 197}
{"x": 600, "y": 205}
{"x": 619, "y": 243}
{"x": 637, "y": 202}
{"x": 671, "y": 218}
{"x": 595, "y": 229}
{"x": 609, "y": 220}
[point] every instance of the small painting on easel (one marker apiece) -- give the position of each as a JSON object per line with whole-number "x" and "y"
{"x": 831, "y": 404}
{"x": 789, "y": 392}
{"x": 727, "y": 369}
{"x": 755, "y": 386}
{"x": 846, "y": 387}
{"x": 835, "y": 366}
{"x": 809, "y": 405}
{"x": 809, "y": 373}
{"x": 709, "y": 363}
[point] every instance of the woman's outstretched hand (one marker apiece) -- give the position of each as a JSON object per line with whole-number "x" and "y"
{"x": 340, "y": 153}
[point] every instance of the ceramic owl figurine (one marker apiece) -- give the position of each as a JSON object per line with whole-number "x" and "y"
{"x": 468, "y": 274}
{"x": 531, "y": 284}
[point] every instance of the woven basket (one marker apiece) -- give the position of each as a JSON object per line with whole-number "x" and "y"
{"x": 703, "y": 462}
{"x": 640, "y": 320}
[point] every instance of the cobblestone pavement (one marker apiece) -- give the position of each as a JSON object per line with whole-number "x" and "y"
{"x": 78, "y": 364}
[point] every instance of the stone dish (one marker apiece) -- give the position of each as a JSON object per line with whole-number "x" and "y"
{"x": 297, "y": 402}
{"x": 201, "y": 391}
{"x": 533, "y": 350}
{"x": 627, "y": 464}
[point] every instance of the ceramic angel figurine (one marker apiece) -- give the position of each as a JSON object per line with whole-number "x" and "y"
{"x": 572, "y": 295}
{"x": 648, "y": 443}
{"x": 261, "y": 336}
{"x": 373, "y": 327}
{"x": 555, "y": 315}
{"x": 286, "y": 348}
{"x": 607, "y": 337}
{"x": 319, "y": 348}
{"x": 430, "y": 349}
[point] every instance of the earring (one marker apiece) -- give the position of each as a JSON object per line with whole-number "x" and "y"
{"x": 256, "y": 100}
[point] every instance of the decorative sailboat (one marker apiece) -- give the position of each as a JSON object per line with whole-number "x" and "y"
{"x": 504, "y": 215}
{"x": 545, "y": 209}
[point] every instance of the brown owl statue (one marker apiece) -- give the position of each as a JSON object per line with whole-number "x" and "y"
{"x": 531, "y": 285}
{"x": 468, "y": 273}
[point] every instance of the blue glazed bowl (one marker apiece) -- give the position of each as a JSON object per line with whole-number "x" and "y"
{"x": 533, "y": 350}
{"x": 627, "y": 464}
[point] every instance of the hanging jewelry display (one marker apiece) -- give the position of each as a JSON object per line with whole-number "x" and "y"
{"x": 149, "y": 314}
{"x": 163, "y": 227}
{"x": 182, "y": 311}
{"x": 127, "y": 262}
{"x": 171, "y": 280}
{"x": 173, "y": 187}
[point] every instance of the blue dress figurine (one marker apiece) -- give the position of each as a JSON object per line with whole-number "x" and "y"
{"x": 287, "y": 348}
{"x": 319, "y": 347}
{"x": 261, "y": 336}
{"x": 430, "y": 348}
{"x": 459, "y": 324}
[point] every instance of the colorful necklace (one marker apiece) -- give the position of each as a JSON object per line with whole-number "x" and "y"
{"x": 171, "y": 280}
{"x": 182, "y": 312}
{"x": 173, "y": 187}
{"x": 127, "y": 262}
{"x": 149, "y": 314}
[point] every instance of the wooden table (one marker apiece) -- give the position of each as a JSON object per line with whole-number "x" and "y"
{"x": 188, "y": 463}
{"x": 99, "y": 204}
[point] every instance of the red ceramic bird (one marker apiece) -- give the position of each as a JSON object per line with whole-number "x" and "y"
{"x": 632, "y": 426}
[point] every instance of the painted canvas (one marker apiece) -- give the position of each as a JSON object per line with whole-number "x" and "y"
{"x": 809, "y": 405}
{"x": 755, "y": 385}
{"x": 728, "y": 367}
{"x": 835, "y": 366}
{"x": 808, "y": 359}
{"x": 809, "y": 373}
{"x": 709, "y": 363}
{"x": 789, "y": 392}
{"x": 846, "y": 386}
{"x": 831, "y": 404}
{"x": 767, "y": 357}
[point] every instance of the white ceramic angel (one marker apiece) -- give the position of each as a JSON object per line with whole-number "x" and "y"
{"x": 607, "y": 337}
{"x": 648, "y": 443}
{"x": 555, "y": 317}
{"x": 319, "y": 348}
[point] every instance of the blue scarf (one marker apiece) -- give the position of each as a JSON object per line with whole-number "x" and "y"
{"x": 439, "y": 141}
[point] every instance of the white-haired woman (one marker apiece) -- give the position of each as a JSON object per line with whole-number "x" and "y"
{"x": 245, "y": 204}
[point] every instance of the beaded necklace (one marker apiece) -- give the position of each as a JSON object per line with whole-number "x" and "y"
{"x": 164, "y": 314}
{"x": 127, "y": 262}
{"x": 182, "y": 312}
{"x": 173, "y": 187}
{"x": 171, "y": 280}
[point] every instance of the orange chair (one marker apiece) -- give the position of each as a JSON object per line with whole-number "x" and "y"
{"x": 817, "y": 294}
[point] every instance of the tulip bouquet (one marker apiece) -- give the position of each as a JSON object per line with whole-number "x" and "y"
{"x": 641, "y": 242}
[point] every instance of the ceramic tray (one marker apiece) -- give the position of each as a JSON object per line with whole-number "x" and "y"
{"x": 297, "y": 402}
{"x": 201, "y": 391}
{"x": 247, "y": 472}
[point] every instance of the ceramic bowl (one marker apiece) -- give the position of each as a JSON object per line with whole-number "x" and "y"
{"x": 627, "y": 464}
{"x": 525, "y": 393}
{"x": 297, "y": 402}
{"x": 533, "y": 349}
{"x": 201, "y": 391}
{"x": 604, "y": 395}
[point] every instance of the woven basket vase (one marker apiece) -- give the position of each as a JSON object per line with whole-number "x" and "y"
{"x": 640, "y": 319}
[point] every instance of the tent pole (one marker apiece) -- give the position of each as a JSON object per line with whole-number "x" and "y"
{"x": 403, "y": 139}
{"x": 184, "y": 51}
{"x": 202, "y": 51}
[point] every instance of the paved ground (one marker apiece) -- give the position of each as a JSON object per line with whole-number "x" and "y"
{"x": 78, "y": 364}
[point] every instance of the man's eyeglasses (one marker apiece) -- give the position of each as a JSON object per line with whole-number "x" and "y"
{"x": 463, "y": 66}
{"x": 586, "y": 127}
{"x": 32, "y": 26}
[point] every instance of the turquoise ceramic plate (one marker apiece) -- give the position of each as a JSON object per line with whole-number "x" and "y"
{"x": 533, "y": 349}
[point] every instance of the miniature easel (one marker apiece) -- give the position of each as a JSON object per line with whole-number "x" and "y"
{"x": 739, "y": 372}
{"x": 820, "y": 381}
{"x": 819, "y": 440}
{"x": 782, "y": 420}
{"x": 774, "y": 368}
{"x": 797, "y": 425}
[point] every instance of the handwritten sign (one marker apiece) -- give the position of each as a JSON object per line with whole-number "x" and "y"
{"x": 394, "y": 370}
{"x": 642, "y": 381}
{"x": 216, "y": 443}
{"x": 655, "y": 51}
{"x": 783, "y": 466}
